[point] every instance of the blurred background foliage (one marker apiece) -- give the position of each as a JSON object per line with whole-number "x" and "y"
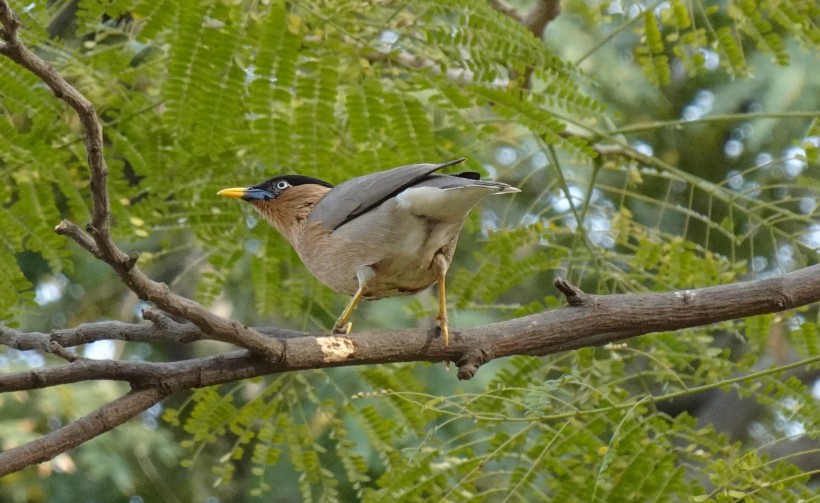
{"x": 658, "y": 145}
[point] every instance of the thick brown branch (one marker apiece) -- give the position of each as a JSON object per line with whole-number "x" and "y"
{"x": 593, "y": 320}
{"x": 98, "y": 422}
{"x": 103, "y": 246}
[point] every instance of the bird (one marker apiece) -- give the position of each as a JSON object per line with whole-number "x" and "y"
{"x": 380, "y": 235}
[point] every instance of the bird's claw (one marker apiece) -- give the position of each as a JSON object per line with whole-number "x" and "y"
{"x": 441, "y": 326}
{"x": 341, "y": 329}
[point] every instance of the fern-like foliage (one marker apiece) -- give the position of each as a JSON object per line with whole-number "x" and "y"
{"x": 641, "y": 169}
{"x": 687, "y": 30}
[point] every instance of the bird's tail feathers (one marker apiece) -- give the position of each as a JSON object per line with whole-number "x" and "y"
{"x": 498, "y": 187}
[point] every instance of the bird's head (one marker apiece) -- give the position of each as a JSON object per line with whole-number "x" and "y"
{"x": 284, "y": 201}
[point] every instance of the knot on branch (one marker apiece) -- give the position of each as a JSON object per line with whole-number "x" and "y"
{"x": 782, "y": 301}
{"x": 575, "y": 296}
{"x": 469, "y": 363}
{"x": 132, "y": 260}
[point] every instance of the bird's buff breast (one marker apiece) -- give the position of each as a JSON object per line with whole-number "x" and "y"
{"x": 397, "y": 271}
{"x": 394, "y": 274}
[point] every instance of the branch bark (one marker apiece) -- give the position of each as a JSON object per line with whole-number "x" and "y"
{"x": 588, "y": 320}
{"x": 106, "y": 418}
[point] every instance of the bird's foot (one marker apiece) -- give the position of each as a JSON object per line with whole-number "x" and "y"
{"x": 342, "y": 329}
{"x": 441, "y": 326}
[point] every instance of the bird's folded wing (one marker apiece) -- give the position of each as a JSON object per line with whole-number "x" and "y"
{"x": 356, "y": 197}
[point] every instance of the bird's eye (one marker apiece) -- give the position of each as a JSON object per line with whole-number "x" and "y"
{"x": 282, "y": 185}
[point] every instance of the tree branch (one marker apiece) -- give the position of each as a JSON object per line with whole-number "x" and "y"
{"x": 588, "y": 320}
{"x": 104, "y": 419}
{"x": 163, "y": 329}
{"x": 102, "y": 245}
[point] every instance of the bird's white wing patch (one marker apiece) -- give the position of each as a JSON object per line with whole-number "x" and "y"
{"x": 443, "y": 204}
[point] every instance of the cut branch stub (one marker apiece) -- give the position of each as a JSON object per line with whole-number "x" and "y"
{"x": 575, "y": 296}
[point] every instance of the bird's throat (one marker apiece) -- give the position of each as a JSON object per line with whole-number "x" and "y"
{"x": 288, "y": 212}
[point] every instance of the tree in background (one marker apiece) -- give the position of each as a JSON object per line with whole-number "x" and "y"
{"x": 659, "y": 146}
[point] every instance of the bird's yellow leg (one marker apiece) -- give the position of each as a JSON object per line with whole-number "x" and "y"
{"x": 342, "y": 325}
{"x": 440, "y": 264}
{"x": 441, "y": 319}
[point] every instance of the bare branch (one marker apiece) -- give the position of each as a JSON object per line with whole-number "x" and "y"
{"x": 34, "y": 341}
{"x": 167, "y": 330}
{"x": 98, "y": 422}
{"x": 69, "y": 229}
{"x": 589, "y": 320}
{"x": 573, "y": 294}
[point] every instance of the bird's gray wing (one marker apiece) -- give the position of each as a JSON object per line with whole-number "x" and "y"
{"x": 357, "y": 196}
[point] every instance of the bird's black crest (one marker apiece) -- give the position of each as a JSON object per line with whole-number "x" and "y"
{"x": 293, "y": 180}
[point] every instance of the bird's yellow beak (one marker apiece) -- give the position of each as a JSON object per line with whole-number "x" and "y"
{"x": 247, "y": 194}
{"x": 237, "y": 192}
